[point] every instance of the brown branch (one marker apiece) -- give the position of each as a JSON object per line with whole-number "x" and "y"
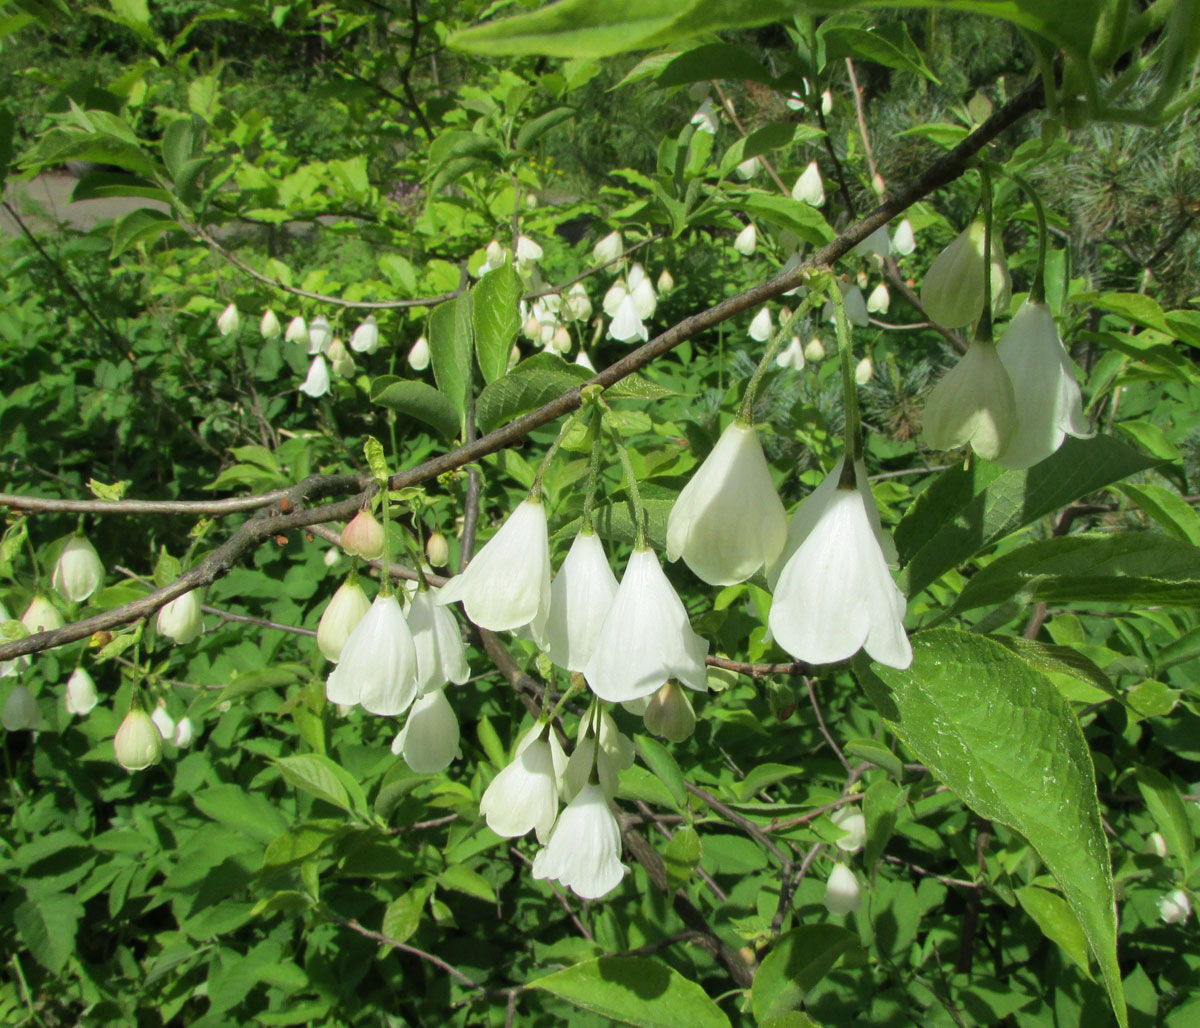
{"x": 837, "y": 750}
{"x": 862, "y": 122}
{"x": 797, "y": 667}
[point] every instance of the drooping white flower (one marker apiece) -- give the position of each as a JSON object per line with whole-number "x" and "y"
{"x": 748, "y": 168}
{"x": 181, "y": 619}
{"x": 185, "y": 732}
{"x": 227, "y": 323}
{"x": 584, "y": 361}
{"x": 826, "y": 102}
{"x": 952, "y": 293}
{"x": 609, "y": 248}
{"x": 1046, "y": 394}
{"x": 705, "y": 118}
{"x": 507, "y": 585}
{"x": 495, "y": 256}
{"x": 876, "y": 243}
{"x": 366, "y": 337}
{"x": 320, "y": 335}
{"x": 880, "y": 300}
{"x": 363, "y": 536}
{"x": 428, "y": 742}
{"x": 666, "y": 282}
{"x": 843, "y": 894}
{"x": 602, "y": 752}
{"x": 340, "y": 361}
{"x": 1156, "y": 844}
{"x": 973, "y": 404}
{"x": 297, "y": 331}
{"x": 792, "y": 356}
{"x": 669, "y": 714}
{"x": 81, "y": 692}
{"x": 852, "y": 822}
{"x": 378, "y": 663}
{"x": 904, "y": 241}
{"x": 524, "y": 794}
{"x": 527, "y": 250}
{"x": 580, "y": 597}
{"x": 137, "y": 743}
{"x": 418, "y": 356}
{"x": 728, "y": 520}
{"x": 41, "y": 615}
{"x": 317, "y": 381}
{"x": 268, "y": 326}
{"x": 760, "y": 325}
{"x": 626, "y": 325}
{"x": 808, "y": 188}
{"x": 747, "y": 240}
{"x": 1175, "y": 907}
{"x": 646, "y": 637}
{"x": 864, "y": 371}
{"x": 577, "y": 305}
{"x": 814, "y": 350}
{"x": 642, "y": 291}
{"x": 613, "y": 297}
{"x": 346, "y": 609}
{"x": 163, "y": 722}
{"x": 441, "y": 655}
{"x": 584, "y": 849}
{"x": 437, "y": 550}
{"x": 21, "y": 711}
{"x": 78, "y": 571}
{"x": 834, "y": 594}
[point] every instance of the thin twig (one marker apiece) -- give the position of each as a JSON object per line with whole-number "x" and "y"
{"x": 812, "y": 698}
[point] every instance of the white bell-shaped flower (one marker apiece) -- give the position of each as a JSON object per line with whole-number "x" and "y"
{"x": 760, "y": 325}
{"x": 418, "y": 356}
{"x": 705, "y": 118}
{"x": 602, "y": 752}
{"x": 580, "y": 596}
{"x": 41, "y": 615}
{"x": 973, "y": 404}
{"x": 614, "y": 297}
{"x": 268, "y": 325}
{"x": 344, "y": 611}
{"x": 297, "y": 331}
{"x": 527, "y": 250}
{"x": 507, "y": 585}
{"x": 880, "y": 300}
{"x": 747, "y": 240}
{"x": 428, "y": 742}
{"x": 437, "y": 550}
{"x": 864, "y": 371}
{"x": 78, "y": 571}
{"x": 185, "y": 732}
{"x": 904, "y": 241}
{"x": 577, "y": 305}
{"x": 181, "y": 619}
{"x": 835, "y": 594}
{"x": 814, "y": 350}
{"x": 378, "y": 663}
{"x": 317, "y": 381}
{"x": 584, "y": 361}
{"x": 843, "y": 895}
{"x": 366, "y": 337}
{"x": 826, "y": 102}
{"x": 137, "y": 743}
{"x": 81, "y": 692}
{"x": 608, "y": 249}
{"x": 441, "y": 655}
{"x": 1046, "y": 394}
{"x": 876, "y": 243}
{"x": 669, "y": 714}
{"x": 340, "y": 361}
{"x": 852, "y": 822}
{"x": 952, "y": 293}
{"x": 524, "y": 795}
{"x": 228, "y": 321}
{"x": 666, "y": 282}
{"x": 320, "y": 335}
{"x": 163, "y": 722}
{"x": 21, "y": 711}
{"x": 646, "y": 637}
{"x": 808, "y": 188}
{"x": 728, "y": 520}
{"x": 1175, "y": 907}
{"x": 748, "y": 168}
{"x": 1155, "y": 844}
{"x": 644, "y": 300}
{"x": 584, "y": 849}
{"x": 626, "y": 325}
{"x": 792, "y": 355}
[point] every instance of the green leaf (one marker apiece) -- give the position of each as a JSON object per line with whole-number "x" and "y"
{"x": 376, "y": 461}
{"x": 250, "y": 813}
{"x": 807, "y": 222}
{"x": 881, "y": 804}
{"x": 402, "y": 917}
{"x": 964, "y": 511}
{"x": 100, "y": 185}
{"x": 634, "y": 990}
{"x": 497, "y": 318}
{"x": 1060, "y": 660}
{"x": 1166, "y": 807}
{"x": 898, "y": 52}
{"x": 1054, "y": 917}
{"x": 534, "y": 129}
{"x": 1136, "y": 307}
{"x": 663, "y": 766}
{"x": 418, "y": 400}
{"x": 47, "y": 925}
{"x": 1003, "y": 739}
{"x": 471, "y": 883}
{"x": 1177, "y": 517}
{"x": 876, "y": 753}
{"x": 682, "y": 857}
{"x": 535, "y": 381}
{"x": 140, "y": 226}
{"x": 321, "y": 777}
{"x": 7, "y": 128}
{"x": 450, "y": 344}
{"x": 177, "y": 145}
{"x": 796, "y": 963}
{"x": 1150, "y": 437}
{"x": 713, "y": 61}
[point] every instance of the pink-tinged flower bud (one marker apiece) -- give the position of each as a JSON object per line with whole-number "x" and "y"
{"x": 1174, "y": 907}
{"x": 78, "y": 571}
{"x": 41, "y": 615}
{"x": 138, "y": 743}
{"x": 904, "y": 241}
{"x": 297, "y": 331}
{"x": 81, "y": 692}
{"x": 880, "y": 300}
{"x": 21, "y": 711}
{"x": 418, "y": 356}
{"x": 227, "y": 323}
{"x": 437, "y": 550}
{"x": 669, "y": 714}
{"x": 363, "y": 537}
{"x": 269, "y": 326}
{"x": 163, "y": 722}
{"x": 185, "y": 733}
{"x": 842, "y": 892}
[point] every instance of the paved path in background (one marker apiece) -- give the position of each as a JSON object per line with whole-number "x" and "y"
{"x": 51, "y": 194}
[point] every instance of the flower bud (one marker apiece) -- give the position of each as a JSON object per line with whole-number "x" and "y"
{"x": 185, "y": 733}
{"x": 877, "y": 184}
{"x": 792, "y": 356}
{"x": 269, "y": 326}
{"x": 41, "y": 615}
{"x": 1156, "y": 844}
{"x": 137, "y": 744}
{"x": 808, "y": 188}
{"x": 514, "y": 357}
{"x": 826, "y": 102}
{"x": 366, "y": 337}
{"x": 904, "y": 241}
{"x": 577, "y": 305}
{"x": 437, "y": 550}
{"x": 842, "y": 892}
{"x": 227, "y": 323}
{"x": 608, "y": 249}
{"x": 418, "y": 356}
{"x": 527, "y": 250}
{"x": 81, "y": 692}
{"x": 852, "y": 822}
{"x": 363, "y": 537}
{"x": 952, "y": 294}
{"x": 340, "y": 361}
{"x": 78, "y": 571}
{"x": 181, "y": 619}
{"x": 814, "y": 350}
{"x": 347, "y": 608}
{"x": 665, "y": 282}
{"x": 583, "y": 361}
{"x": 669, "y": 714}
{"x": 21, "y": 711}
{"x": 864, "y": 371}
{"x": 297, "y": 330}
{"x": 1174, "y": 907}
{"x": 317, "y": 381}
{"x": 332, "y": 556}
{"x": 561, "y": 340}
{"x": 748, "y": 168}
{"x": 163, "y": 722}
{"x": 747, "y": 240}
{"x": 320, "y": 335}
{"x": 760, "y": 326}
{"x": 880, "y": 300}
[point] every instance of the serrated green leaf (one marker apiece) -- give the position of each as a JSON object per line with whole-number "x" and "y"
{"x": 638, "y": 387}
{"x": 1060, "y": 660}
{"x": 534, "y": 129}
{"x": 418, "y": 400}
{"x": 1168, "y": 508}
{"x": 140, "y": 226}
{"x": 450, "y": 346}
{"x": 462, "y": 879}
{"x": 663, "y": 766}
{"x": 795, "y": 965}
{"x": 47, "y": 925}
{"x": 713, "y": 61}
{"x": 535, "y": 381}
{"x": 321, "y": 777}
{"x": 402, "y": 917}
{"x": 1166, "y": 807}
{"x": 807, "y": 222}
{"x": 497, "y": 319}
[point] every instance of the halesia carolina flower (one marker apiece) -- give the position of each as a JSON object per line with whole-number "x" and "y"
{"x": 366, "y": 337}
{"x": 81, "y": 692}
{"x": 814, "y": 350}
{"x": 560, "y": 342}
{"x": 904, "y": 241}
{"x": 669, "y": 714}
{"x": 584, "y": 361}
{"x": 227, "y": 323}
{"x": 441, "y": 655}
{"x": 181, "y": 619}
{"x": 792, "y": 356}
{"x": 608, "y": 249}
{"x": 666, "y": 282}
{"x": 843, "y": 894}
{"x": 748, "y": 168}
{"x": 347, "y": 608}
{"x": 577, "y": 305}
{"x": 876, "y": 243}
{"x": 185, "y": 732}
{"x": 834, "y": 594}
{"x": 10, "y": 667}
{"x": 853, "y": 823}
{"x": 507, "y": 585}
{"x": 809, "y": 188}
{"x": 602, "y": 752}
{"x": 826, "y": 102}
{"x": 1156, "y": 844}
{"x": 1048, "y": 405}
{"x": 437, "y": 550}
{"x": 580, "y": 597}
{"x": 138, "y": 743}
{"x": 584, "y": 849}
{"x": 418, "y": 356}
{"x": 340, "y": 361}
{"x": 21, "y": 712}
{"x": 320, "y": 335}
{"x": 642, "y": 291}
{"x": 952, "y": 293}
{"x": 527, "y": 250}
{"x": 614, "y": 297}
{"x": 747, "y": 240}
{"x": 1175, "y": 907}
{"x": 705, "y": 118}
{"x": 317, "y": 382}
{"x": 78, "y": 571}
{"x": 429, "y": 739}
{"x": 646, "y": 637}
{"x": 163, "y": 722}
{"x": 864, "y": 371}
{"x": 297, "y": 331}
{"x": 880, "y": 300}
{"x": 332, "y": 556}
{"x": 626, "y": 325}
{"x": 524, "y": 794}
{"x": 378, "y": 664}
{"x": 269, "y": 327}
{"x": 363, "y": 537}
{"x": 728, "y": 521}
{"x": 760, "y": 325}
{"x": 41, "y": 615}
{"x": 973, "y": 404}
